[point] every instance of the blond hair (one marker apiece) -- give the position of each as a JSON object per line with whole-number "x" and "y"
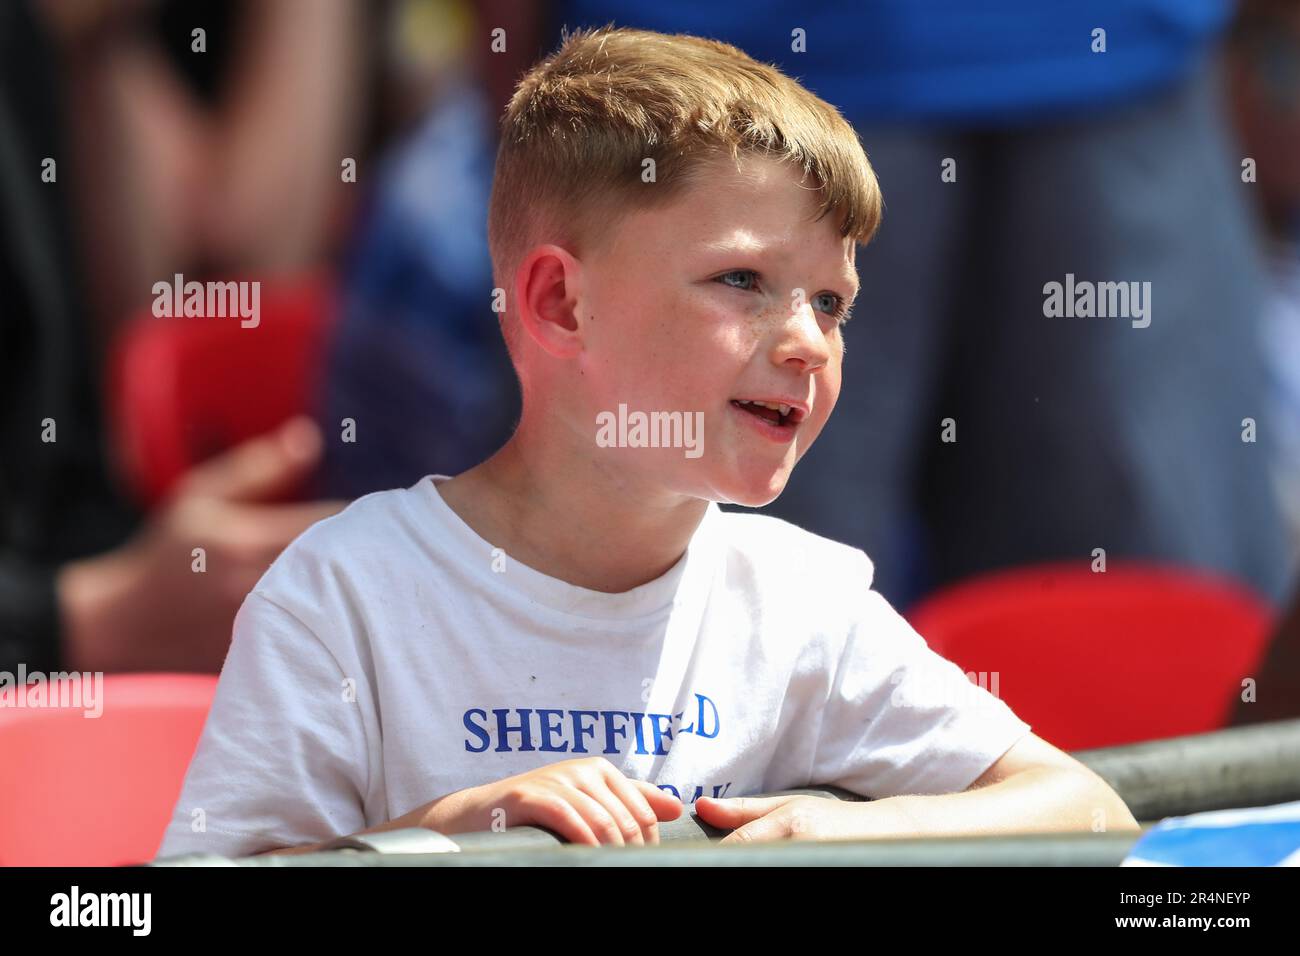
{"x": 581, "y": 123}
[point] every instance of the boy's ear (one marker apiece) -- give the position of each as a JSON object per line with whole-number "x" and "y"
{"x": 547, "y": 300}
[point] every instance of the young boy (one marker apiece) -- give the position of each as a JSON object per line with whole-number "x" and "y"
{"x": 573, "y": 634}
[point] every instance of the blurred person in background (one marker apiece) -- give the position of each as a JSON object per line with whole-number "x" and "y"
{"x": 1016, "y": 145}
{"x": 85, "y": 582}
{"x": 207, "y": 135}
{"x": 1264, "y": 73}
{"x": 417, "y": 359}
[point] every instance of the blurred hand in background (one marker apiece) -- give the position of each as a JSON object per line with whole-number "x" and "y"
{"x": 153, "y": 604}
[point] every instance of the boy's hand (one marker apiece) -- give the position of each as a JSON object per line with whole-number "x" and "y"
{"x": 798, "y": 817}
{"x": 585, "y": 800}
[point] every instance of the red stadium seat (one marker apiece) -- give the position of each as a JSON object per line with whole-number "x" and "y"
{"x": 184, "y": 389}
{"x": 1098, "y": 659}
{"x": 98, "y": 791}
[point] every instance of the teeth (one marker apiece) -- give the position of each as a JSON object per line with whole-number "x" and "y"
{"x": 775, "y": 406}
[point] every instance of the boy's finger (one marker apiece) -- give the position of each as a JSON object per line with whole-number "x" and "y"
{"x": 663, "y": 803}
{"x": 563, "y": 819}
{"x": 602, "y": 823}
{"x": 637, "y": 805}
{"x": 764, "y": 829}
{"x": 629, "y": 828}
{"x": 731, "y": 812}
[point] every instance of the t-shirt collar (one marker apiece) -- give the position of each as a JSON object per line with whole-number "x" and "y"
{"x": 686, "y": 580}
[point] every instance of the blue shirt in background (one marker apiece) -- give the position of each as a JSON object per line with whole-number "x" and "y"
{"x": 946, "y": 60}
{"x": 417, "y": 359}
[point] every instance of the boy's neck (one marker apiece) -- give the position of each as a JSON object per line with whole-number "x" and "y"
{"x": 573, "y": 519}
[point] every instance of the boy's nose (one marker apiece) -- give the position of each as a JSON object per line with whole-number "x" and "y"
{"x": 802, "y": 341}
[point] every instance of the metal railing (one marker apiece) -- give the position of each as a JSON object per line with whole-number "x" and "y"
{"x": 1240, "y": 767}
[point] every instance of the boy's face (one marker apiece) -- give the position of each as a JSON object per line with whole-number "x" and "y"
{"x": 730, "y": 295}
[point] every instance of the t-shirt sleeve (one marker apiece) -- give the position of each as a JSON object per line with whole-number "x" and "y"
{"x": 283, "y": 759}
{"x": 900, "y": 719}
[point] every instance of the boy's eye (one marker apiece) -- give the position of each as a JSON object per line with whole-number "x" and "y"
{"x": 835, "y": 307}
{"x": 736, "y": 272}
{"x": 828, "y": 302}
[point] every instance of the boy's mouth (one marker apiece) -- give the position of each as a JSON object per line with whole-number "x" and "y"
{"x": 782, "y": 414}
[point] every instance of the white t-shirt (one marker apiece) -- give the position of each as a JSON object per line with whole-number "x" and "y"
{"x": 391, "y": 656}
